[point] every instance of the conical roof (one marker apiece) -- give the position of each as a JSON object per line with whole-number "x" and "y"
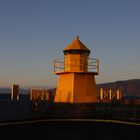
{"x": 76, "y": 45}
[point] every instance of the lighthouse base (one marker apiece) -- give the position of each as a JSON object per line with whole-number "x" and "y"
{"x": 76, "y": 88}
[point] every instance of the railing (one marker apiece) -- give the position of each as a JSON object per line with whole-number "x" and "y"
{"x": 92, "y": 65}
{"x": 58, "y": 65}
{"x": 109, "y": 94}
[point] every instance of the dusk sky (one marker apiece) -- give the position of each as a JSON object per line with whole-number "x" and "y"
{"x": 34, "y": 32}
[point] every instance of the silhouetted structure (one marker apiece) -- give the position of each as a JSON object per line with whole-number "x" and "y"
{"x": 15, "y": 92}
{"x": 39, "y": 94}
{"x": 109, "y": 95}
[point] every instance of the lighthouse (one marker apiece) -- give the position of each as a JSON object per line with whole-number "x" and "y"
{"x": 76, "y": 83}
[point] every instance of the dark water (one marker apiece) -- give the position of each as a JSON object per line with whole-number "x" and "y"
{"x": 71, "y": 130}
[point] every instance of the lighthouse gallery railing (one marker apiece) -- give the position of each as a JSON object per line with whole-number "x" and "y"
{"x": 92, "y": 65}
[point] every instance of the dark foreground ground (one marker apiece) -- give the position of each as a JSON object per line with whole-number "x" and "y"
{"x": 72, "y": 129}
{"x": 58, "y": 130}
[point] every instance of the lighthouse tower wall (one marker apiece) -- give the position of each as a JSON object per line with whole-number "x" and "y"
{"x": 64, "y": 92}
{"x": 76, "y": 88}
{"x": 85, "y": 88}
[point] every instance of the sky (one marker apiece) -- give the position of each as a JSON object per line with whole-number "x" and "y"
{"x": 34, "y": 32}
